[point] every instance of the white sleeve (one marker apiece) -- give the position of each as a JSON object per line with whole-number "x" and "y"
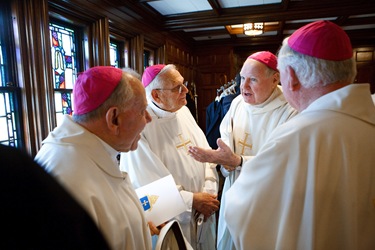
{"x": 211, "y": 184}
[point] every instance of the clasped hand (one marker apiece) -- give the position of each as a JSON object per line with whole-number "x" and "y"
{"x": 155, "y": 230}
{"x": 206, "y": 204}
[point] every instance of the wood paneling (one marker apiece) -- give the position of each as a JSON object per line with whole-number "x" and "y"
{"x": 215, "y": 67}
{"x": 33, "y": 69}
{"x": 365, "y": 58}
{"x": 208, "y": 64}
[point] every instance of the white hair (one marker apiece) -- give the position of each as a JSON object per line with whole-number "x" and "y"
{"x": 158, "y": 81}
{"x": 314, "y": 72}
{"x": 132, "y": 72}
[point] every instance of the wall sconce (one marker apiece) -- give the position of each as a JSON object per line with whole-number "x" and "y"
{"x": 253, "y": 29}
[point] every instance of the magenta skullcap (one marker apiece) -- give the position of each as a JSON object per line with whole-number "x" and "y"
{"x": 266, "y": 58}
{"x": 150, "y": 73}
{"x": 93, "y": 87}
{"x": 322, "y": 39}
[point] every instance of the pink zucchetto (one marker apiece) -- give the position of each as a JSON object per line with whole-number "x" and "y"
{"x": 93, "y": 87}
{"x": 322, "y": 39}
{"x": 150, "y": 73}
{"x": 266, "y": 58}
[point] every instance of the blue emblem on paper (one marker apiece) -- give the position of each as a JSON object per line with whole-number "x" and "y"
{"x": 145, "y": 203}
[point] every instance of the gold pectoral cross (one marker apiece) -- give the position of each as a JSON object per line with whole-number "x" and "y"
{"x": 243, "y": 143}
{"x": 183, "y": 143}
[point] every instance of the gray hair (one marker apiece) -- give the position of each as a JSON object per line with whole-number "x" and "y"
{"x": 314, "y": 72}
{"x": 120, "y": 97}
{"x": 270, "y": 72}
{"x": 132, "y": 72}
{"x": 158, "y": 81}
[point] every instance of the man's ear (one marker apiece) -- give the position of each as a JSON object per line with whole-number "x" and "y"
{"x": 293, "y": 81}
{"x": 111, "y": 118}
{"x": 276, "y": 78}
{"x": 155, "y": 96}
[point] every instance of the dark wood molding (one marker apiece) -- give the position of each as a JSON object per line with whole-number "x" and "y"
{"x": 34, "y": 73}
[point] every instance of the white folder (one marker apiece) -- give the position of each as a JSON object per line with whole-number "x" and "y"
{"x": 161, "y": 200}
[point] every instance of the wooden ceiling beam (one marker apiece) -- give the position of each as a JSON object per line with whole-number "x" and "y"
{"x": 271, "y": 13}
{"x": 215, "y": 6}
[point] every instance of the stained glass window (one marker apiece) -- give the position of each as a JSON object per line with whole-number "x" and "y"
{"x": 64, "y": 66}
{"x": 114, "y": 54}
{"x": 8, "y": 125}
{"x": 2, "y": 66}
{"x": 10, "y": 132}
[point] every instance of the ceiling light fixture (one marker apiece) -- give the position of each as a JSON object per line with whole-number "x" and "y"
{"x": 253, "y": 29}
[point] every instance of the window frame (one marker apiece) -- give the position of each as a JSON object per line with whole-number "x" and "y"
{"x": 10, "y": 84}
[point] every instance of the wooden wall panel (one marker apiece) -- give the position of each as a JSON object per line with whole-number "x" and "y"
{"x": 215, "y": 67}
{"x": 178, "y": 55}
{"x": 33, "y": 70}
{"x": 365, "y": 58}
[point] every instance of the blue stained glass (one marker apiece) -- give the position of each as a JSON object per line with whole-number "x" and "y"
{"x": 63, "y": 52}
{"x": 8, "y": 131}
{"x": 68, "y": 61}
{"x": 2, "y": 68}
{"x": 10, "y": 134}
{"x": 61, "y": 80}
{"x": 66, "y": 103}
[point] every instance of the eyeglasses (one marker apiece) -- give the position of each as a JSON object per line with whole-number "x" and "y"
{"x": 176, "y": 89}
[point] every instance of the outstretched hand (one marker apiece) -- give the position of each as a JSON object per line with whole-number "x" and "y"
{"x": 223, "y": 155}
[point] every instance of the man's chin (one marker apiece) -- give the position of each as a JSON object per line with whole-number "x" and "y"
{"x": 134, "y": 146}
{"x": 249, "y": 100}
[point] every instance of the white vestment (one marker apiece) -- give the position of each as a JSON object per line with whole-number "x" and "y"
{"x": 312, "y": 183}
{"x": 245, "y": 128}
{"x": 162, "y": 150}
{"x": 87, "y": 167}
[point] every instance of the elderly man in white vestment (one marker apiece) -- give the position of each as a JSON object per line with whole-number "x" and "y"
{"x": 109, "y": 114}
{"x": 311, "y": 185}
{"x": 252, "y": 116}
{"x": 163, "y": 150}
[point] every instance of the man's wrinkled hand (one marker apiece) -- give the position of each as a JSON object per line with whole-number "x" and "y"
{"x": 223, "y": 155}
{"x": 206, "y": 204}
